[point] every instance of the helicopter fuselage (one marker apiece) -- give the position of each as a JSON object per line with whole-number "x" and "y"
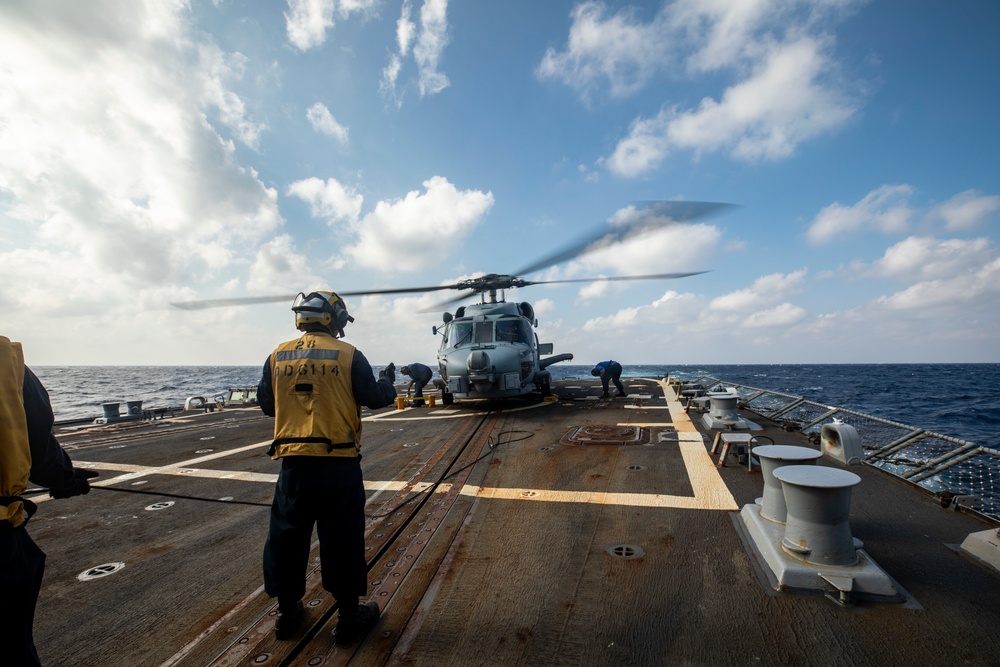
{"x": 490, "y": 350}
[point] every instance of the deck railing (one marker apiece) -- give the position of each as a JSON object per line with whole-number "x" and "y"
{"x": 960, "y": 473}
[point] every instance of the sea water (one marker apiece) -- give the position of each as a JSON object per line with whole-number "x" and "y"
{"x": 957, "y": 400}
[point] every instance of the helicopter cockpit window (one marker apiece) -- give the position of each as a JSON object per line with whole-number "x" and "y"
{"x": 484, "y": 332}
{"x": 509, "y": 330}
{"x": 458, "y": 334}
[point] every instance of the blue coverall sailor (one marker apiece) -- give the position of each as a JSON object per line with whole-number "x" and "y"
{"x": 609, "y": 371}
{"x": 420, "y": 375}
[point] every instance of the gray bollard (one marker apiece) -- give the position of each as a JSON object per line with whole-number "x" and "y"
{"x": 724, "y": 407}
{"x": 772, "y": 457}
{"x": 110, "y": 410}
{"x": 818, "y": 502}
{"x": 133, "y": 408}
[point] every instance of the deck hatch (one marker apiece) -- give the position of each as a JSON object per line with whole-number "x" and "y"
{"x": 603, "y": 434}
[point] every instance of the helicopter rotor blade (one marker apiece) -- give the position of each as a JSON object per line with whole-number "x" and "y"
{"x": 444, "y": 304}
{"x": 648, "y": 216}
{"x": 656, "y": 276}
{"x": 251, "y": 300}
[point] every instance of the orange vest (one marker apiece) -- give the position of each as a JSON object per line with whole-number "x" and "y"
{"x": 314, "y": 409}
{"x": 15, "y": 453}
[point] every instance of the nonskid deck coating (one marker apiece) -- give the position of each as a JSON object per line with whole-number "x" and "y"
{"x": 521, "y": 569}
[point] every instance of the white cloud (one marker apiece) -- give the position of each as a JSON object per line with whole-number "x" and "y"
{"x": 619, "y": 50}
{"x": 971, "y": 293}
{"x": 783, "y": 315}
{"x": 160, "y": 197}
{"x": 783, "y": 103}
{"x": 967, "y": 210}
{"x": 885, "y": 209}
{"x": 330, "y": 199}
{"x": 926, "y": 258}
{"x": 323, "y": 122}
{"x": 431, "y": 40}
{"x": 278, "y": 267}
{"x": 764, "y": 291}
{"x": 395, "y": 235}
{"x": 308, "y": 21}
{"x": 786, "y": 89}
{"x": 674, "y": 249}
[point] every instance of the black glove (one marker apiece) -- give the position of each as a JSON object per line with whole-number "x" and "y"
{"x": 389, "y": 373}
{"x": 78, "y": 487}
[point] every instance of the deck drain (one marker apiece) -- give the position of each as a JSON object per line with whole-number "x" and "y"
{"x": 635, "y": 467}
{"x": 624, "y": 551}
{"x": 100, "y": 571}
{"x": 160, "y": 506}
{"x": 410, "y": 444}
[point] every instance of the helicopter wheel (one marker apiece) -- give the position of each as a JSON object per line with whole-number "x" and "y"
{"x": 447, "y": 398}
{"x": 546, "y": 389}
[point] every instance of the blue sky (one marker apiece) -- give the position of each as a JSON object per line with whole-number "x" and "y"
{"x": 157, "y": 151}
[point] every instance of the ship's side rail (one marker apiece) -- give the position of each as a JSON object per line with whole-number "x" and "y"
{"x": 961, "y": 473}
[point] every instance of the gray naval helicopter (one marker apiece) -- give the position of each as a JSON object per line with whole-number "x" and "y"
{"x": 490, "y": 349}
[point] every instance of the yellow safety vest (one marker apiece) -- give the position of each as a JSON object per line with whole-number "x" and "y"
{"x": 314, "y": 409}
{"x": 15, "y": 452}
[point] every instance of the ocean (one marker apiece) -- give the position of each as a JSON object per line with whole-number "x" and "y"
{"x": 957, "y": 400}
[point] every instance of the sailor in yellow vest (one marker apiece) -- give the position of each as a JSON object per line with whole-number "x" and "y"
{"x": 314, "y": 386}
{"x": 28, "y": 450}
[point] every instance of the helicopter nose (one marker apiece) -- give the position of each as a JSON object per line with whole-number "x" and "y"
{"x": 478, "y": 362}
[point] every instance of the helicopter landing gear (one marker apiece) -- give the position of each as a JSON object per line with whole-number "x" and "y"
{"x": 545, "y": 388}
{"x": 447, "y": 398}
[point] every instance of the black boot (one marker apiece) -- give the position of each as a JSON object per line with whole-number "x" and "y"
{"x": 289, "y": 617}
{"x": 351, "y": 626}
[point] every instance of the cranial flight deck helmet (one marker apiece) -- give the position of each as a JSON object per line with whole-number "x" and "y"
{"x": 326, "y": 309}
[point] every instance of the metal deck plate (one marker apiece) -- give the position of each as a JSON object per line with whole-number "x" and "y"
{"x": 603, "y": 434}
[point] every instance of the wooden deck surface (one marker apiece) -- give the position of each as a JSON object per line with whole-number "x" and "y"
{"x": 499, "y": 533}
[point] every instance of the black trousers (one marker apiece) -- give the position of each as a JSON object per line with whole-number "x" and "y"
{"x": 328, "y": 492}
{"x": 22, "y": 564}
{"x": 613, "y": 373}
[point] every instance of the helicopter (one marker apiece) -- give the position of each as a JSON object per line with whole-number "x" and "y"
{"x": 490, "y": 349}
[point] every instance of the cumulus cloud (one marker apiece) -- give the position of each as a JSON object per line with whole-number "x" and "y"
{"x": 786, "y": 87}
{"x": 764, "y": 291}
{"x": 782, "y": 315}
{"x": 618, "y": 51}
{"x": 782, "y": 104}
{"x": 160, "y": 198}
{"x": 328, "y": 199}
{"x": 278, "y": 265}
{"x": 323, "y": 122}
{"x": 977, "y": 289}
{"x": 307, "y": 21}
{"x": 967, "y": 210}
{"x": 926, "y": 258}
{"x": 394, "y": 235}
{"x": 885, "y": 209}
{"x": 428, "y": 45}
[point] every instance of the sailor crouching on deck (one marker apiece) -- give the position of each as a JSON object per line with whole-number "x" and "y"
{"x": 314, "y": 386}
{"x": 28, "y": 450}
